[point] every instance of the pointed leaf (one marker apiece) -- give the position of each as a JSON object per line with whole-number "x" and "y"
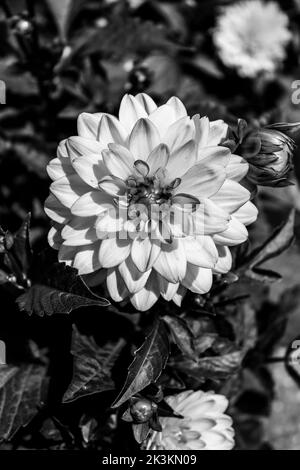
{"x": 182, "y": 335}
{"x": 214, "y": 367}
{"x": 21, "y": 396}
{"x": 62, "y": 292}
{"x": 149, "y": 361}
{"x": 279, "y": 241}
{"x": 21, "y": 247}
{"x": 92, "y": 366}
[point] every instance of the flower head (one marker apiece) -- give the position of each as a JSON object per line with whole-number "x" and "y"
{"x": 251, "y": 37}
{"x": 204, "y": 425}
{"x": 150, "y": 201}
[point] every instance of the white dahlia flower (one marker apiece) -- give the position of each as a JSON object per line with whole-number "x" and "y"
{"x": 251, "y": 36}
{"x": 204, "y": 425}
{"x": 149, "y": 201}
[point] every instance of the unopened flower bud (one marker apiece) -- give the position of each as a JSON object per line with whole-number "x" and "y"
{"x": 269, "y": 154}
{"x": 142, "y": 410}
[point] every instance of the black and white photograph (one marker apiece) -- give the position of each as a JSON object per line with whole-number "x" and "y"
{"x": 149, "y": 228}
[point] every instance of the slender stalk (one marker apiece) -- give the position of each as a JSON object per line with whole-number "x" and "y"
{"x": 274, "y": 360}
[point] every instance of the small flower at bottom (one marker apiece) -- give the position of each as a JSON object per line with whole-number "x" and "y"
{"x": 204, "y": 425}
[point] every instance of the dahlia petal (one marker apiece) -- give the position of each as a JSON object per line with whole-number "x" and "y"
{"x": 179, "y": 133}
{"x": 167, "y": 289}
{"x": 55, "y": 210}
{"x": 113, "y": 252}
{"x": 231, "y": 196}
{"x": 163, "y": 117}
{"x": 202, "y": 424}
{"x": 79, "y": 231}
{"x": 217, "y": 132}
{"x": 178, "y": 297}
{"x": 235, "y": 234}
{"x": 80, "y": 146}
{"x": 112, "y": 186}
{"x": 108, "y": 223}
{"x": 211, "y": 404}
{"x": 214, "y": 156}
{"x": 210, "y": 247}
{"x": 144, "y": 253}
{"x": 68, "y": 189}
{"x": 198, "y": 280}
{"x": 209, "y": 218}
{"x": 225, "y": 260}
{"x": 95, "y": 278}
{"x": 55, "y": 238}
{"x": 171, "y": 262}
{"x": 178, "y": 107}
{"x": 247, "y": 214}
{"x": 116, "y": 286}
{"x": 66, "y": 254}
{"x": 147, "y": 296}
{"x": 143, "y": 139}
{"x": 86, "y": 260}
{"x": 196, "y": 253}
{"x": 201, "y": 181}
{"x": 119, "y": 161}
{"x": 147, "y": 102}
{"x": 158, "y": 158}
{"x": 62, "y": 150}
{"x": 132, "y": 277}
{"x": 88, "y": 125}
{"x": 130, "y": 111}
{"x": 56, "y": 169}
{"x": 92, "y": 203}
{"x": 90, "y": 168}
{"x": 181, "y": 159}
{"x": 237, "y": 168}
{"x": 201, "y": 131}
{"x": 111, "y": 131}
{"x": 213, "y": 439}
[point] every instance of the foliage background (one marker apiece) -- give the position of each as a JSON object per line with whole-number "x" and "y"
{"x": 59, "y": 58}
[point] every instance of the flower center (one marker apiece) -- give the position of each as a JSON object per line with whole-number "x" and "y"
{"x": 147, "y": 190}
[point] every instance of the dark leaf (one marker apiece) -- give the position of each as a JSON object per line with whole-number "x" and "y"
{"x": 182, "y": 335}
{"x": 21, "y": 395}
{"x": 140, "y": 432}
{"x": 64, "y": 291}
{"x": 215, "y": 367}
{"x": 149, "y": 361}
{"x": 92, "y": 366}
{"x": 279, "y": 241}
{"x": 21, "y": 247}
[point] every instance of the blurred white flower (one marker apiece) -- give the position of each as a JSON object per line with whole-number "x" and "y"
{"x": 150, "y": 201}
{"x": 251, "y": 36}
{"x": 204, "y": 425}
